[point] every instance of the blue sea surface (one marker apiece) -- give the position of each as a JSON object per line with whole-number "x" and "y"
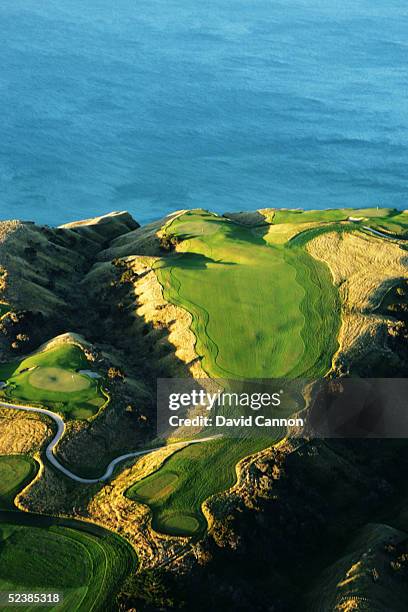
{"x": 157, "y": 105}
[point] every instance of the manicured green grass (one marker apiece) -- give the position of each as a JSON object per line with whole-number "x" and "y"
{"x": 153, "y": 489}
{"x": 175, "y": 493}
{"x": 51, "y": 378}
{"x": 58, "y": 379}
{"x": 396, "y": 225}
{"x": 15, "y": 472}
{"x": 304, "y": 236}
{"x": 330, "y": 215}
{"x": 84, "y": 563}
{"x": 259, "y": 311}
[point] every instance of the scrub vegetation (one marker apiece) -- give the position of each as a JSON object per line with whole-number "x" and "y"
{"x": 4, "y": 309}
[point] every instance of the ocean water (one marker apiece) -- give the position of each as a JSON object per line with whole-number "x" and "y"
{"x": 156, "y": 105}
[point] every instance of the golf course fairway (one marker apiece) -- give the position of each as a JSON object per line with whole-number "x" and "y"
{"x": 175, "y": 493}
{"x": 84, "y": 563}
{"x": 16, "y": 471}
{"x": 259, "y": 310}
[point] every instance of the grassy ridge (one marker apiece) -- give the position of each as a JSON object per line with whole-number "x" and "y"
{"x": 259, "y": 310}
{"x": 85, "y": 563}
{"x": 249, "y": 300}
{"x": 15, "y": 472}
{"x": 51, "y": 378}
{"x": 349, "y": 582}
{"x": 325, "y": 216}
{"x": 388, "y": 220}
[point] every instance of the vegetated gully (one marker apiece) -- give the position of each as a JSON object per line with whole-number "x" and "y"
{"x": 94, "y": 330}
{"x": 50, "y": 450}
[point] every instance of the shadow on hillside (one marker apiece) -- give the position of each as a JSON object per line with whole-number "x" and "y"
{"x": 196, "y": 261}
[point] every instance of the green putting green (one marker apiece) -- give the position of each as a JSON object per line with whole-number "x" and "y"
{"x": 194, "y": 473}
{"x": 181, "y": 524}
{"x": 51, "y": 378}
{"x": 58, "y": 379}
{"x": 15, "y": 472}
{"x": 259, "y": 310}
{"x": 83, "y": 563}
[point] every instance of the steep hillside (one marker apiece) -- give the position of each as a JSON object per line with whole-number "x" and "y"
{"x": 93, "y": 312}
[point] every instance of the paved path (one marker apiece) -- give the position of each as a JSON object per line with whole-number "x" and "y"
{"x": 50, "y": 450}
{"x": 383, "y": 234}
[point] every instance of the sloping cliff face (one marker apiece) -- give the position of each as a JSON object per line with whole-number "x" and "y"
{"x": 44, "y": 264}
{"x": 95, "y": 278}
{"x": 68, "y": 284}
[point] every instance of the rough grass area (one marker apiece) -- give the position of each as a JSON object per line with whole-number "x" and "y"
{"x": 396, "y": 225}
{"x": 395, "y": 301}
{"x": 363, "y": 267}
{"x": 22, "y": 433}
{"x": 15, "y": 472}
{"x": 86, "y": 564}
{"x": 51, "y": 378}
{"x": 301, "y": 226}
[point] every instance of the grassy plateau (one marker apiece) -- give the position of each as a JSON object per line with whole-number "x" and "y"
{"x": 256, "y": 307}
{"x": 259, "y": 310}
{"x": 52, "y": 378}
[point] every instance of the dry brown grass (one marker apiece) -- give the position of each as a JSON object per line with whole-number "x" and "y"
{"x": 21, "y": 433}
{"x": 155, "y": 310}
{"x": 363, "y": 268}
{"x": 27, "y": 278}
{"x": 104, "y": 228}
{"x": 7, "y": 228}
{"x": 44, "y": 265}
